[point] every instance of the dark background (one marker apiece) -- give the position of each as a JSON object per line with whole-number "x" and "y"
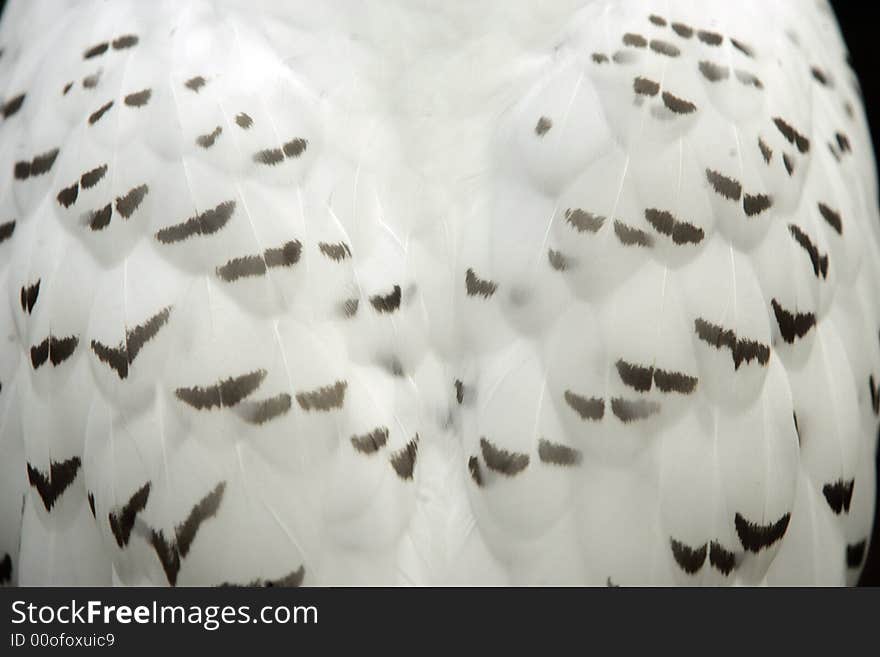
{"x": 856, "y": 21}
{"x": 856, "y": 18}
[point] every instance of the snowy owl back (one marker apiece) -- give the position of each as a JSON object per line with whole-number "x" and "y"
{"x": 435, "y": 293}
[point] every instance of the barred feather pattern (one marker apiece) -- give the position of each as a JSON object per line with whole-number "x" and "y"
{"x": 435, "y": 293}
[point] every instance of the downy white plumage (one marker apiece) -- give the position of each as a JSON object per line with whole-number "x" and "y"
{"x": 394, "y": 292}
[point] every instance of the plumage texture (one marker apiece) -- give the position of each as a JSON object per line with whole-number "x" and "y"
{"x": 497, "y": 292}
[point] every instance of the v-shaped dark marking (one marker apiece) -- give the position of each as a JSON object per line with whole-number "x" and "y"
{"x": 689, "y": 559}
{"x": 755, "y": 537}
{"x": 61, "y": 475}
{"x": 838, "y": 494}
{"x": 792, "y": 325}
{"x": 121, "y": 523}
{"x": 170, "y": 553}
{"x": 477, "y": 286}
{"x": 404, "y": 460}
{"x": 55, "y": 350}
{"x": 119, "y": 358}
{"x": 387, "y": 303}
{"x": 29, "y": 294}
{"x": 721, "y": 558}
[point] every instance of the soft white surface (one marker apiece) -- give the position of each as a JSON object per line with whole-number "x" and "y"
{"x": 423, "y": 158}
